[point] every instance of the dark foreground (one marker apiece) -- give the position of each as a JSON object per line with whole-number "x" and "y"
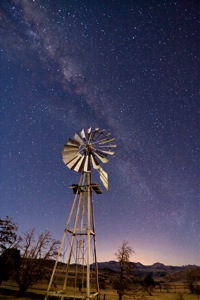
{"x": 6, "y": 294}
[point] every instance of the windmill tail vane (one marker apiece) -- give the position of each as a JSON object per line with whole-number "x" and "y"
{"x": 88, "y": 150}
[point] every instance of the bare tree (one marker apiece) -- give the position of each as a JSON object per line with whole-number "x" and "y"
{"x": 9, "y": 254}
{"x": 148, "y": 284}
{"x": 123, "y": 256}
{"x": 8, "y": 234}
{"x": 192, "y": 277}
{"x": 35, "y": 254}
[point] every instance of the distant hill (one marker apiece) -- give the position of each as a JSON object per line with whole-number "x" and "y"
{"x": 158, "y": 270}
{"x": 114, "y": 265}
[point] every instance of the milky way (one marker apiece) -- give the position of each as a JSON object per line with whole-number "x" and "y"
{"x": 131, "y": 68}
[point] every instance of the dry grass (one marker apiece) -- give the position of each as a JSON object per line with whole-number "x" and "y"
{"x": 156, "y": 295}
{"x": 110, "y": 294}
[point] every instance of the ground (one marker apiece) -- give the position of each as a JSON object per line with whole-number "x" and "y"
{"x": 8, "y": 291}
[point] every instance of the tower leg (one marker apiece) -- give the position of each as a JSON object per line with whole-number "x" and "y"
{"x": 72, "y": 275}
{"x": 88, "y": 235}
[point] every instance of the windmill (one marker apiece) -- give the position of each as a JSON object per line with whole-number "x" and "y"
{"x": 75, "y": 273}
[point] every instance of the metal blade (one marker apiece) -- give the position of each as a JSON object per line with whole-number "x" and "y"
{"x": 73, "y": 143}
{"x": 69, "y": 158}
{"x": 94, "y": 133}
{"x": 72, "y": 163}
{"x": 89, "y": 163}
{"x": 104, "y": 177}
{"x": 106, "y": 141}
{"x": 89, "y": 133}
{"x": 95, "y": 163}
{"x": 78, "y": 167}
{"x": 101, "y": 132}
{"x": 70, "y": 147}
{"x": 69, "y": 152}
{"x": 82, "y": 133}
{"x": 106, "y": 152}
{"x": 78, "y": 139}
{"x": 108, "y": 146}
{"x": 86, "y": 164}
{"x": 105, "y": 136}
{"x": 101, "y": 158}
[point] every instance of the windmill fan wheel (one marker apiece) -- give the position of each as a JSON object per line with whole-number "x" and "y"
{"x": 88, "y": 150}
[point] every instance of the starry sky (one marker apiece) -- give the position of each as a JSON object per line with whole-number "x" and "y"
{"x": 130, "y": 67}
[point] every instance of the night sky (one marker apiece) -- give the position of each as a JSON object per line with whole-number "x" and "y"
{"x": 130, "y": 67}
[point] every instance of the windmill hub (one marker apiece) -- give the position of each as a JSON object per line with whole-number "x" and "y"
{"x": 88, "y": 149}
